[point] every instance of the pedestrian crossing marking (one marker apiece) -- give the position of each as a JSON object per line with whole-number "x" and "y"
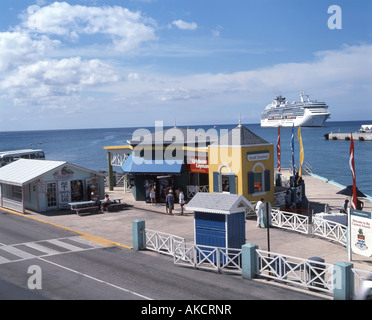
{"x": 60, "y": 246}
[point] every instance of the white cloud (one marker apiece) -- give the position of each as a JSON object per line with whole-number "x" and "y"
{"x": 332, "y": 76}
{"x": 34, "y": 83}
{"x": 126, "y": 30}
{"x": 185, "y": 25}
{"x": 18, "y": 47}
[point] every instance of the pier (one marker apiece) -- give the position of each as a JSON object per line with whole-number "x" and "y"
{"x": 361, "y": 136}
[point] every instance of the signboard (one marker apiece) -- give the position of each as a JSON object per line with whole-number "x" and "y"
{"x": 258, "y": 156}
{"x": 64, "y": 190}
{"x": 197, "y": 164}
{"x": 361, "y": 232}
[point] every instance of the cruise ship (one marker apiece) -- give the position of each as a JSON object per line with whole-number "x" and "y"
{"x": 306, "y": 113}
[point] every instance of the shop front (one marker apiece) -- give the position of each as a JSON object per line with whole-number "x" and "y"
{"x": 41, "y": 185}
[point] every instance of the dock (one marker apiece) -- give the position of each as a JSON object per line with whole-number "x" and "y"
{"x": 361, "y": 136}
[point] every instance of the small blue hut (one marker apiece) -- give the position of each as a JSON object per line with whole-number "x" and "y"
{"x": 219, "y": 219}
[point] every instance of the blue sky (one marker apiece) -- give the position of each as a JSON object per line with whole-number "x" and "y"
{"x": 111, "y": 63}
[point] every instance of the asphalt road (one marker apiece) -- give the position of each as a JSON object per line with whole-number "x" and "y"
{"x": 40, "y": 261}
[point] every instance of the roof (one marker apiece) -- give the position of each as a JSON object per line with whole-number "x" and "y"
{"x": 24, "y": 171}
{"x": 219, "y": 203}
{"x": 139, "y": 165}
{"x": 240, "y": 136}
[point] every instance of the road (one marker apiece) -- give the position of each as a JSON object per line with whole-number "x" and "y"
{"x": 40, "y": 261}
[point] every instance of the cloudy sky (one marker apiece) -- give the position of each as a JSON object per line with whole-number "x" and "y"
{"x": 125, "y": 63}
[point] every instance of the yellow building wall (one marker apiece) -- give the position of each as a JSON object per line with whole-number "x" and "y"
{"x": 236, "y": 158}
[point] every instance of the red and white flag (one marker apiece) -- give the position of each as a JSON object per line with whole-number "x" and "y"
{"x": 278, "y": 148}
{"x": 352, "y": 168}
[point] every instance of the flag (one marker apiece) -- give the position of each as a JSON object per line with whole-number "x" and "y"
{"x": 292, "y": 149}
{"x": 301, "y": 151}
{"x": 352, "y": 168}
{"x": 278, "y": 148}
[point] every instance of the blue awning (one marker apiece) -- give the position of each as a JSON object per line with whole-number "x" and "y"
{"x": 133, "y": 165}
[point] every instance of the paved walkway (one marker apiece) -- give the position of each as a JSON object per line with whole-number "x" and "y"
{"x": 117, "y": 226}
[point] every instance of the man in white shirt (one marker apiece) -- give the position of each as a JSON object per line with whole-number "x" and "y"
{"x": 259, "y": 207}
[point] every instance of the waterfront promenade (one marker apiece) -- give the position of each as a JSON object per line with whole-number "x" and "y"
{"x": 116, "y": 227}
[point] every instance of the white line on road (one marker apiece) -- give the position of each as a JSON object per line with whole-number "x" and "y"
{"x": 95, "y": 279}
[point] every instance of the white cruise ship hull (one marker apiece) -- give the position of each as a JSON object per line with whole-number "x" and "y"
{"x": 307, "y": 113}
{"x": 303, "y": 121}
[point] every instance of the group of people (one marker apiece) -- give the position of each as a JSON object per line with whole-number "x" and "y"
{"x": 169, "y": 201}
{"x": 288, "y": 201}
{"x": 101, "y": 204}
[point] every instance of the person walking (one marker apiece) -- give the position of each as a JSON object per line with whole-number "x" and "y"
{"x": 181, "y": 199}
{"x": 259, "y": 207}
{"x": 170, "y": 202}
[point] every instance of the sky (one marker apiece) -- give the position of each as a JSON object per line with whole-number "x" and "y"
{"x": 128, "y": 63}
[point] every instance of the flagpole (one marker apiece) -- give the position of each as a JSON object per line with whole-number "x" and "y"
{"x": 349, "y": 251}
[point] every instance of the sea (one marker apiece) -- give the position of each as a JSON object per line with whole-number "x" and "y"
{"x": 327, "y": 158}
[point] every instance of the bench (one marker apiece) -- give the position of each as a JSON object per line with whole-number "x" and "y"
{"x": 86, "y": 210}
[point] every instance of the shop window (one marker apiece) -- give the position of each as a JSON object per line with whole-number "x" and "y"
{"x": 258, "y": 180}
{"x": 224, "y": 182}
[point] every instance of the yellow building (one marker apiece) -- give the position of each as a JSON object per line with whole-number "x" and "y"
{"x": 242, "y": 163}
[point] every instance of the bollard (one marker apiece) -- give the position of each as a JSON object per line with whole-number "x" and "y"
{"x": 343, "y": 286}
{"x": 249, "y": 261}
{"x": 138, "y": 230}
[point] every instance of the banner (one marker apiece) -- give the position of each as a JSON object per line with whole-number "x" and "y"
{"x": 352, "y": 168}
{"x": 361, "y": 232}
{"x": 292, "y": 149}
{"x": 301, "y": 151}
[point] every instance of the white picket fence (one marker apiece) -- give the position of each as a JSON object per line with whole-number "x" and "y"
{"x": 162, "y": 242}
{"x": 301, "y": 223}
{"x": 302, "y": 272}
{"x": 306, "y": 273}
{"x": 206, "y": 257}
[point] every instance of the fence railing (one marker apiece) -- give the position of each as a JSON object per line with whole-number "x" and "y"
{"x": 330, "y": 230}
{"x": 291, "y": 221}
{"x": 207, "y": 257}
{"x": 307, "y": 273}
{"x": 162, "y": 242}
{"x": 192, "y": 190}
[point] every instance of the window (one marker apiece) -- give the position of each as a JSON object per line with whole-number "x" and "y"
{"x": 259, "y": 179}
{"x": 224, "y": 182}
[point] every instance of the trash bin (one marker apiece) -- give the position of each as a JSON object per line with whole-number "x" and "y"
{"x": 280, "y": 267}
{"x": 315, "y": 273}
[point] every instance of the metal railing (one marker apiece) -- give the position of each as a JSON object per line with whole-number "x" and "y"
{"x": 207, "y": 257}
{"x": 330, "y": 230}
{"x": 302, "y": 272}
{"x": 291, "y": 221}
{"x": 162, "y": 242}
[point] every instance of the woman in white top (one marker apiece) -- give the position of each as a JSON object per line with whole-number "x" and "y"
{"x": 181, "y": 200}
